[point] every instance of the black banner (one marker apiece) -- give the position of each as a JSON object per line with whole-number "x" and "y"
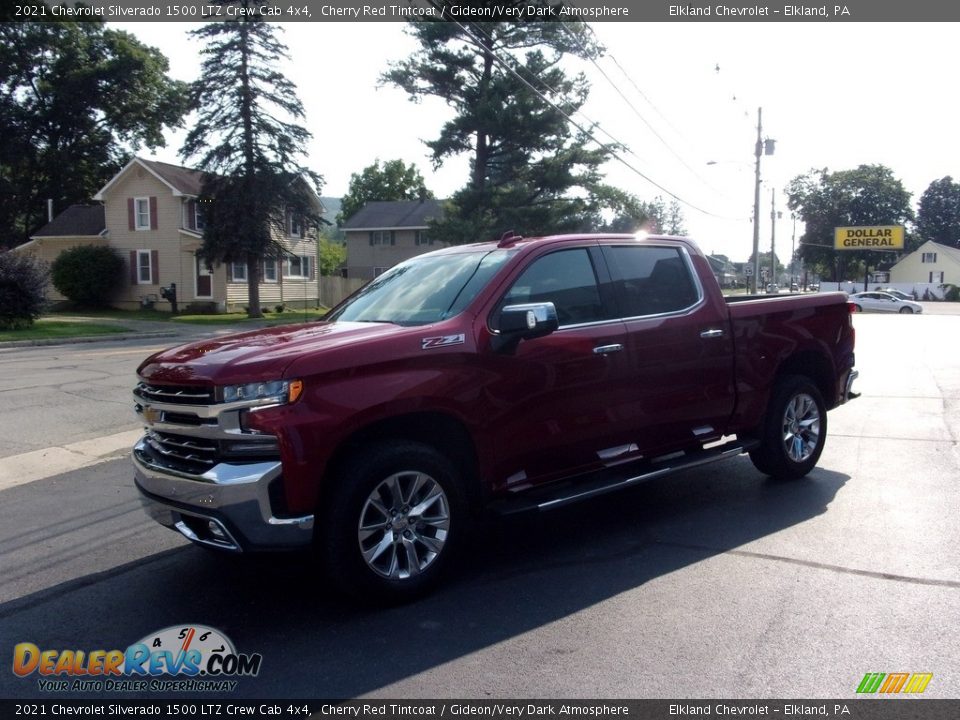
{"x": 677, "y": 11}
{"x": 849, "y": 709}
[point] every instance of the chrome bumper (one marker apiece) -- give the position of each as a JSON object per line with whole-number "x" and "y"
{"x": 228, "y": 507}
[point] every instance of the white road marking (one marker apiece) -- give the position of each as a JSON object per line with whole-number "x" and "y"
{"x": 39, "y": 464}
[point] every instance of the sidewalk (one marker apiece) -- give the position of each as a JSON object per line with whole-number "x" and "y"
{"x": 138, "y": 330}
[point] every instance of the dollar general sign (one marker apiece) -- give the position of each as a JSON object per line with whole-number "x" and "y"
{"x": 876, "y": 237}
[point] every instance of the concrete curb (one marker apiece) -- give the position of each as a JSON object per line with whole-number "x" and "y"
{"x": 90, "y": 338}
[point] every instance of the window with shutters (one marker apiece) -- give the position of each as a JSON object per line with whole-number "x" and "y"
{"x": 381, "y": 237}
{"x": 144, "y": 267}
{"x": 928, "y": 258}
{"x": 141, "y": 213}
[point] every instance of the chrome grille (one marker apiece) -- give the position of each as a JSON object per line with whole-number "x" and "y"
{"x": 182, "y": 453}
{"x": 175, "y": 394}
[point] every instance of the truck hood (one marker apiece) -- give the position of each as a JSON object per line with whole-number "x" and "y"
{"x": 260, "y": 355}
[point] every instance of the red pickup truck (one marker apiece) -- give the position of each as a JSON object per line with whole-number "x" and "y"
{"x": 510, "y": 376}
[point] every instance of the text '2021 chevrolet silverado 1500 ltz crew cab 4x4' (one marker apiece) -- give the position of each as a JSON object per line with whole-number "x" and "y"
{"x": 517, "y": 375}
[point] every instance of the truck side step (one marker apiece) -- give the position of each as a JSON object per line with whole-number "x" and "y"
{"x": 559, "y": 494}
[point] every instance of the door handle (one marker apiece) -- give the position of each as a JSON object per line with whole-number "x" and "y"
{"x": 607, "y": 349}
{"x": 713, "y": 333}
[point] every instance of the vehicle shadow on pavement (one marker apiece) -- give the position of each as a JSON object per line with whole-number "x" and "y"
{"x": 517, "y": 575}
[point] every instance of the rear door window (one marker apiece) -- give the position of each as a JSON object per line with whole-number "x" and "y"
{"x": 651, "y": 280}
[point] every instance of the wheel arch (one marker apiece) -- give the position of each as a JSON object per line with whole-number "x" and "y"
{"x": 815, "y": 366}
{"x": 442, "y": 431}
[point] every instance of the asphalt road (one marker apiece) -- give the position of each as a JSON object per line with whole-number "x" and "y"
{"x": 714, "y": 583}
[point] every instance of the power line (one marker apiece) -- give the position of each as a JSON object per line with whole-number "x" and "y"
{"x": 637, "y": 112}
{"x": 586, "y": 132}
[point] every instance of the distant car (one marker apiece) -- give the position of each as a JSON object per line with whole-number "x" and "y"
{"x": 815, "y": 287}
{"x": 794, "y": 287}
{"x": 883, "y": 302}
{"x": 773, "y": 289}
{"x": 898, "y": 293}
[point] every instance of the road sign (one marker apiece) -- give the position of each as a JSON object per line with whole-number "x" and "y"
{"x": 748, "y": 270}
{"x": 873, "y": 237}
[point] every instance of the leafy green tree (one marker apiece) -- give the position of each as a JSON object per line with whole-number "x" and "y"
{"x": 75, "y": 99}
{"x": 23, "y": 289}
{"x": 331, "y": 255}
{"x": 394, "y": 181}
{"x": 779, "y": 267}
{"x": 249, "y": 144}
{"x": 635, "y": 215}
{"x": 530, "y": 172}
{"x": 89, "y": 275}
{"x": 824, "y": 200}
{"x": 938, "y": 216}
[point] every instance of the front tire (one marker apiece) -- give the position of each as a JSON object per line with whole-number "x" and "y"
{"x": 794, "y": 431}
{"x": 393, "y": 520}
{"x": 906, "y": 311}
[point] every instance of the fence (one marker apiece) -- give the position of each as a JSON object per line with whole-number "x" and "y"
{"x": 333, "y": 288}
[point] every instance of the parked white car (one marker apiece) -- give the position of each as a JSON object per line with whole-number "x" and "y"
{"x": 883, "y": 302}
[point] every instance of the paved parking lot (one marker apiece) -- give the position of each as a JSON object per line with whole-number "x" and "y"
{"x": 714, "y": 583}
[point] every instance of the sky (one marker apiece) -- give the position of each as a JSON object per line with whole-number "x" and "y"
{"x": 683, "y": 97}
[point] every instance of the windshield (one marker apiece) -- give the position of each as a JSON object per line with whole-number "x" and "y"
{"x": 425, "y": 289}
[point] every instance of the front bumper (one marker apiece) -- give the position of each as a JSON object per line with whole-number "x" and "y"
{"x": 227, "y": 507}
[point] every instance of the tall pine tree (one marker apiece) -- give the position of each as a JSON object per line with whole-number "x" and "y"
{"x": 530, "y": 171}
{"x": 249, "y": 144}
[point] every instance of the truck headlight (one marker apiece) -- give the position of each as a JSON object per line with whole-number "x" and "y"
{"x": 275, "y": 391}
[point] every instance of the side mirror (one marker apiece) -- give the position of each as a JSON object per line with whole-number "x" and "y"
{"x": 525, "y": 322}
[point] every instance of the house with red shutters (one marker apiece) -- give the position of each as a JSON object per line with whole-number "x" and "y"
{"x": 152, "y": 214}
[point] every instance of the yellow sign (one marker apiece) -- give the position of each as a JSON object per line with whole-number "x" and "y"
{"x": 876, "y": 237}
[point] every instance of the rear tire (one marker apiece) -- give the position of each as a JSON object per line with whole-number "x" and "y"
{"x": 794, "y": 430}
{"x": 394, "y": 518}
{"x": 857, "y": 308}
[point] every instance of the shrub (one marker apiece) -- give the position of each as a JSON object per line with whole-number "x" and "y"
{"x": 952, "y": 294}
{"x": 23, "y": 290}
{"x": 88, "y": 275}
{"x": 280, "y": 308}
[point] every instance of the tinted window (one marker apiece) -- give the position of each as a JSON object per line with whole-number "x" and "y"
{"x": 651, "y": 280}
{"x": 566, "y": 279}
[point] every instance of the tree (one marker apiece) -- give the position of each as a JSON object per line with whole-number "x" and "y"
{"x": 23, "y": 289}
{"x": 778, "y": 270}
{"x": 938, "y": 217}
{"x": 249, "y": 144}
{"x": 530, "y": 172}
{"x": 330, "y": 256}
{"x": 653, "y": 217}
{"x": 75, "y": 100}
{"x": 824, "y": 200}
{"x": 88, "y": 274}
{"x": 394, "y": 181}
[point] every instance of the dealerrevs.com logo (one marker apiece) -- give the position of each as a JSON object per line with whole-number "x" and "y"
{"x": 180, "y": 658}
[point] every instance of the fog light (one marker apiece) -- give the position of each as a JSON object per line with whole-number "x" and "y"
{"x": 216, "y": 531}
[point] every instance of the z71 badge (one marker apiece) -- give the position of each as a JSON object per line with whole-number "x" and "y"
{"x": 441, "y": 341}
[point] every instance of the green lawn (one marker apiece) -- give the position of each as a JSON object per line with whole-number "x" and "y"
{"x": 114, "y": 314}
{"x": 286, "y": 317}
{"x": 45, "y": 329}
